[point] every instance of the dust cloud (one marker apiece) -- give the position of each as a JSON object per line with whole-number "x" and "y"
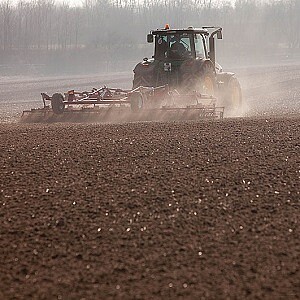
{"x": 271, "y": 90}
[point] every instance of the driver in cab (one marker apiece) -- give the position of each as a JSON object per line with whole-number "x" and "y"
{"x": 178, "y": 50}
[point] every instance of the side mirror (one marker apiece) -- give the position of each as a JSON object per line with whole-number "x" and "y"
{"x": 219, "y": 35}
{"x": 150, "y": 38}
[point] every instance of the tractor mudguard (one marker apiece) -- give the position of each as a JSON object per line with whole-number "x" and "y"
{"x": 206, "y": 64}
{"x": 224, "y": 77}
{"x": 144, "y": 73}
{"x": 144, "y": 67}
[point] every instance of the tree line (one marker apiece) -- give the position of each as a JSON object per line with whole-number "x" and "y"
{"x": 42, "y": 31}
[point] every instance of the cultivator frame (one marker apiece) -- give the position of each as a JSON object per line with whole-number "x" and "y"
{"x": 113, "y": 104}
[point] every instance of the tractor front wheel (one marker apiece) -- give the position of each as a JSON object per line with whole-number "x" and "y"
{"x": 57, "y": 103}
{"x": 208, "y": 84}
{"x": 233, "y": 97}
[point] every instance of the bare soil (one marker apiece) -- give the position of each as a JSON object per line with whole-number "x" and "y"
{"x": 155, "y": 210}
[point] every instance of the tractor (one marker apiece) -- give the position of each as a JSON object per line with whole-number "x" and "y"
{"x": 182, "y": 81}
{"x": 185, "y": 59}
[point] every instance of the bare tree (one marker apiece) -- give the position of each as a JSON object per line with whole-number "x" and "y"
{"x": 6, "y": 12}
{"x": 115, "y": 30}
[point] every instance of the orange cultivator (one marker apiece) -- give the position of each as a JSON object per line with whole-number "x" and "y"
{"x": 118, "y": 105}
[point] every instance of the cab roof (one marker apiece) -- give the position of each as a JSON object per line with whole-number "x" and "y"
{"x": 174, "y": 31}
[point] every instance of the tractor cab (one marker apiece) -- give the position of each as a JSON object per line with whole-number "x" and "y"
{"x": 179, "y": 44}
{"x": 181, "y": 56}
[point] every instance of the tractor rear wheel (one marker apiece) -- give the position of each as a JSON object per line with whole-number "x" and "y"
{"x": 203, "y": 81}
{"x": 57, "y": 103}
{"x": 136, "y": 102}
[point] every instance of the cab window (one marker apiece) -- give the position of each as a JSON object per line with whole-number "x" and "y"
{"x": 199, "y": 46}
{"x": 184, "y": 39}
{"x": 161, "y": 46}
{"x": 180, "y": 46}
